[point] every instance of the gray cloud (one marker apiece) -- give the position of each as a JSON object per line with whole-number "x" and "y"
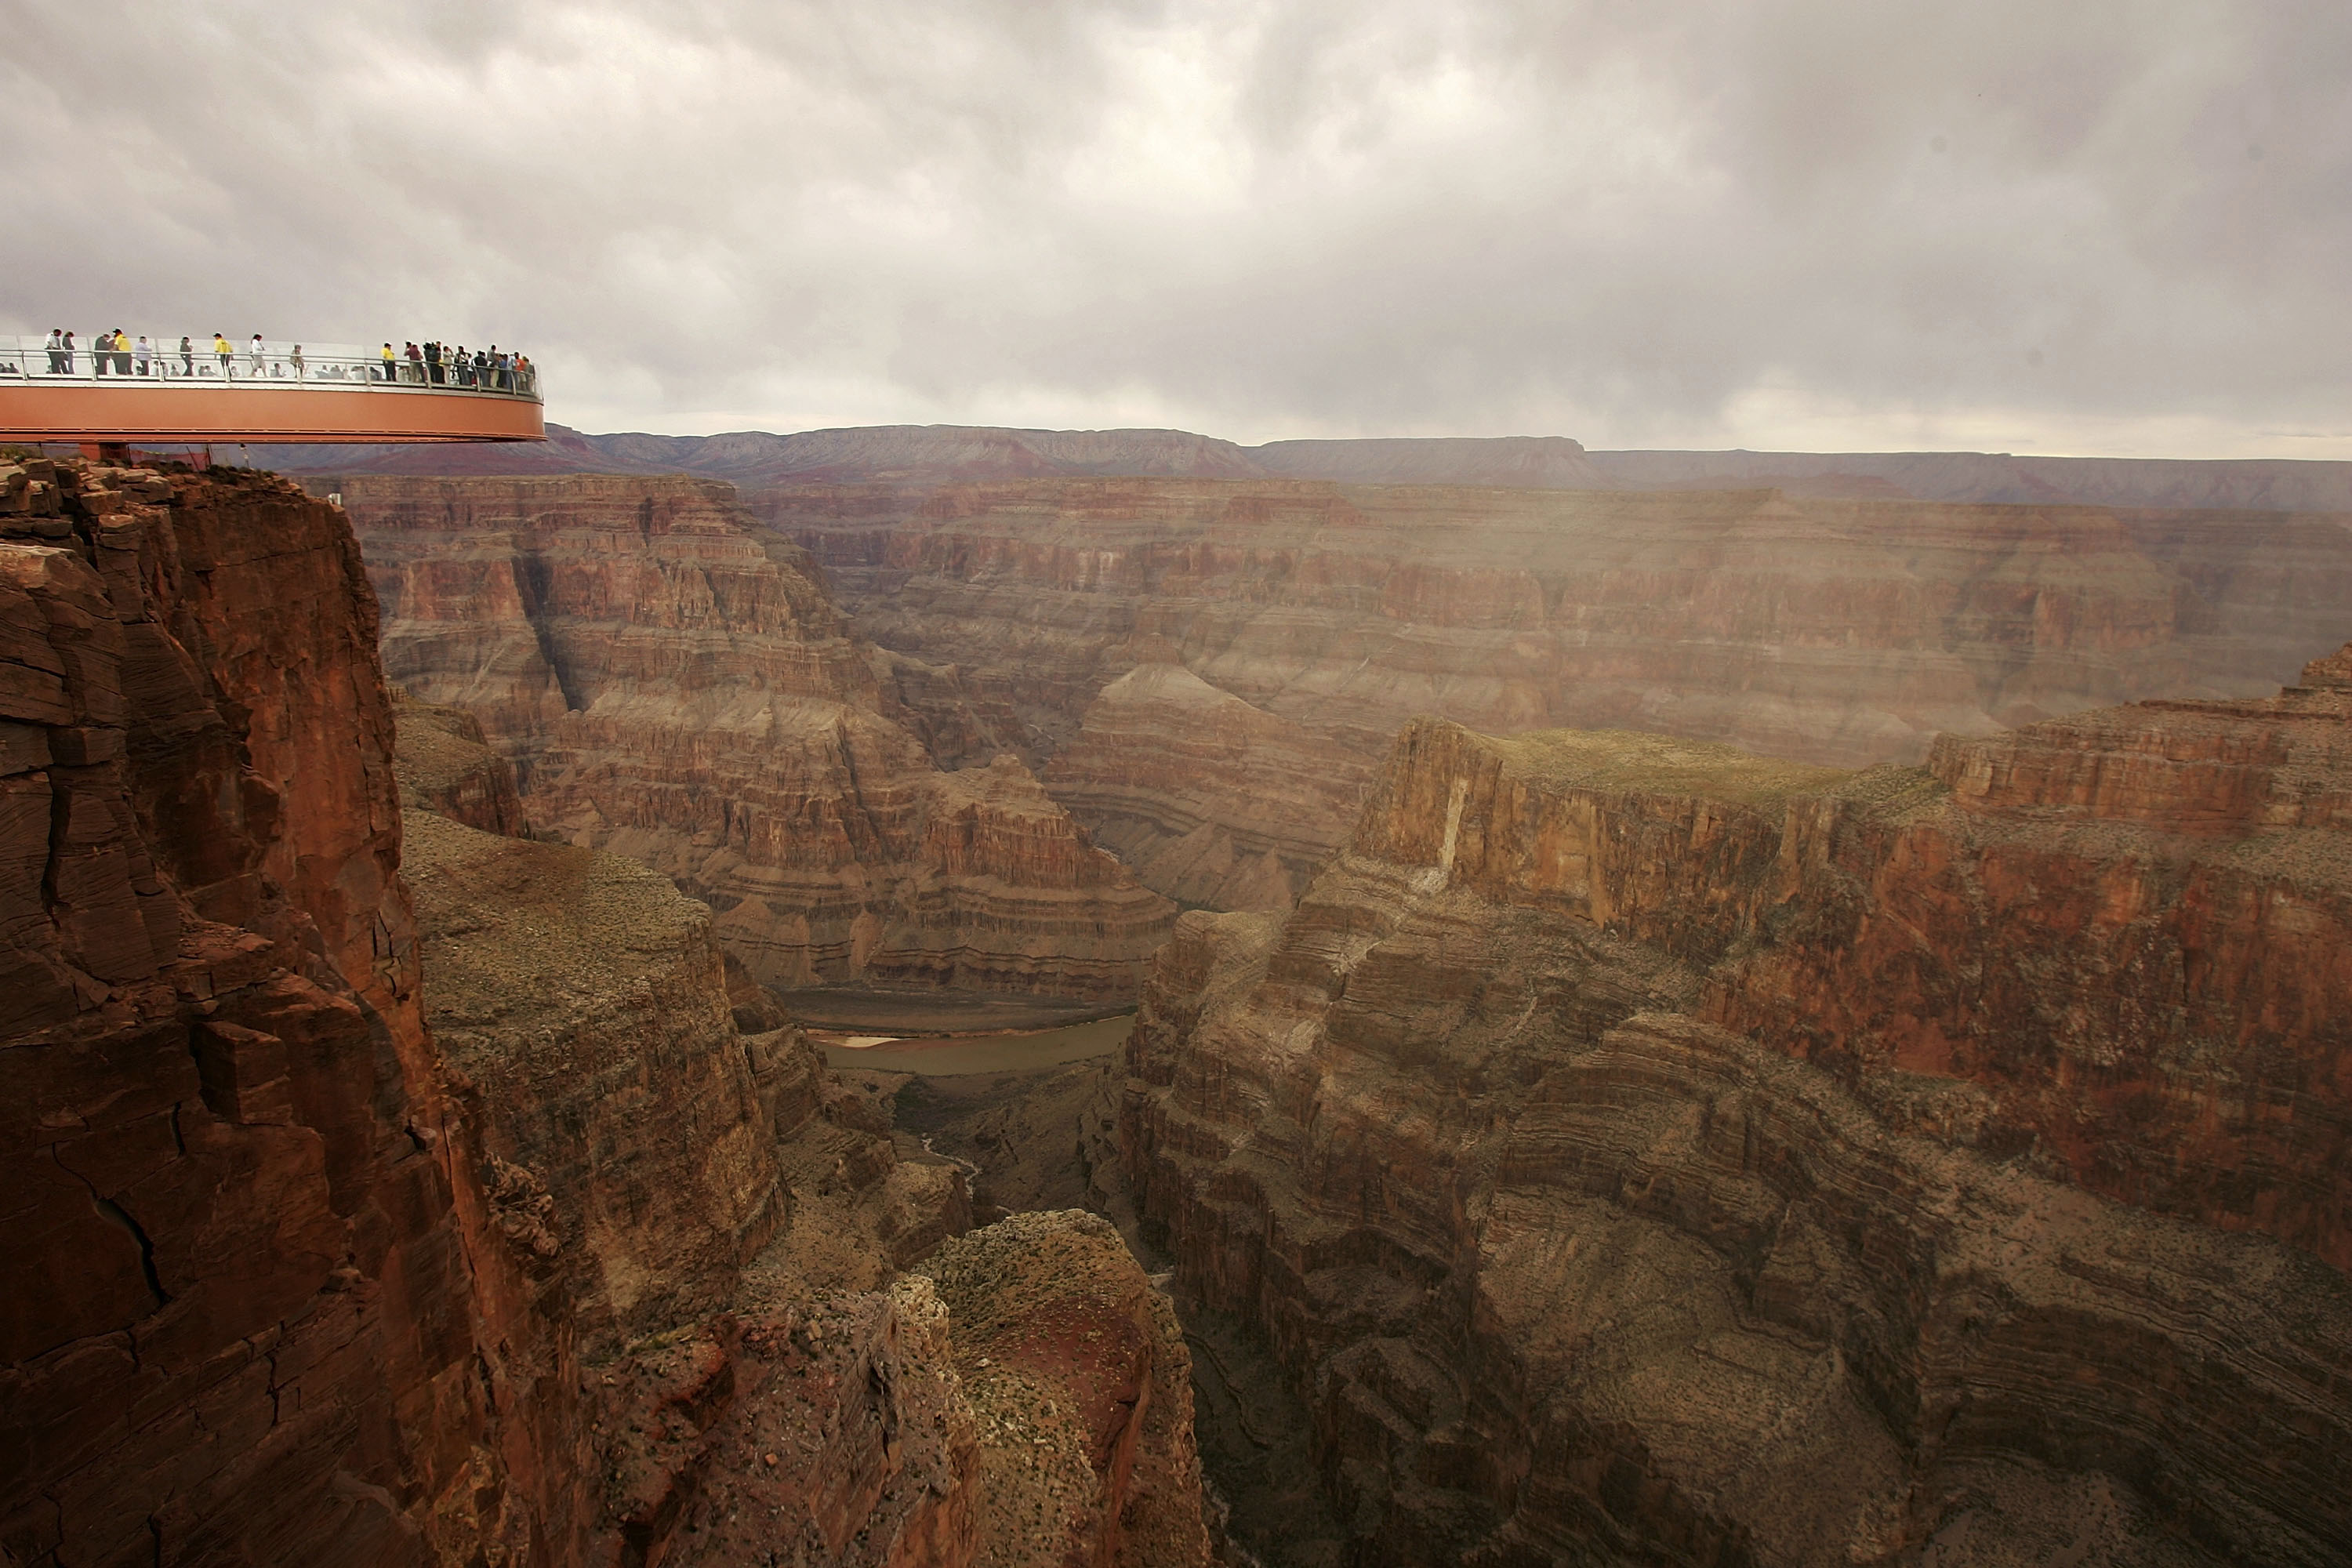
{"x": 2115, "y": 225}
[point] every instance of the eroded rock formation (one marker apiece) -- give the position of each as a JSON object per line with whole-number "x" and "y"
{"x": 670, "y": 687}
{"x": 1214, "y": 802}
{"x": 241, "y": 1319}
{"x": 580, "y": 996}
{"x": 641, "y": 1153}
{"x": 1836, "y": 631}
{"x": 446, "y": 765}
{"x": 715, "y": 1226}
{"x": 1081, "y": 1387}
{"x": 1641, "y": 1150}
{"x": 348, "y": 1230}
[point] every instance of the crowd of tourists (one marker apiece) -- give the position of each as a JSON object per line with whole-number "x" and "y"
{"x": 441, "y": 364}
{"x": 114, "y": 354}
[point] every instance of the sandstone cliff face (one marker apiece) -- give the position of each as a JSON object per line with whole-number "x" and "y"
{"x": 610, "y": 1283}
{"x": 671, "y": 688}
{"x": 1836, "y": 631}
{"x": 711, "y": 1226}
{"x": 640, "y": 1152}
{"x": 241, "y": 1322}
{"x": 581, "y": 996}
{"x": 1643, "y": 1151}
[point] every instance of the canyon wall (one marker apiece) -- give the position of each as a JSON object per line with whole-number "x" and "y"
{"x": 712, "y": 1227}
{"x": 357, "y": 1227}
{"x": 241, "y": 1322}
{"x": 639, "y": 1155}
{"x": 670, "y": 687}
{"x": 446, "y": 766}
{"x": 1214, "y": 801}
{"x": 1829, "y": 630}
{"x": 1642, "y": 1151}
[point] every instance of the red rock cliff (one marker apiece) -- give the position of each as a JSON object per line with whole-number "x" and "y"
{"x": 291, "y": 1286}
{"x": 1638, "y": 1148}
{"x": 242, "y": 1323}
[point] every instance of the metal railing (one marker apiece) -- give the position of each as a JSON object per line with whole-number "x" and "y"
{"x": 326, "y": 366}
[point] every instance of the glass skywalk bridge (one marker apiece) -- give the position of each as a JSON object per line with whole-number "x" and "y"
{"x": 274, "y": 392}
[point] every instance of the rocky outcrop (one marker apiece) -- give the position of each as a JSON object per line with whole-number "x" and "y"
{"x": 2331, "y": 672}
{"x": 1080, "y": 1385}
{"x": 670, "y": 687}
{"x": 581, "y": 996}
{"x": 1829, "y": 630}
{"x": 713, "y": 1225}
{"x": 243, "y": 1321}
{"x": 1021, "y": 1399}
{"x": 444, "y": 766}
{"x": 642, "y": 1154}
{"x": 1637, "y": 1149}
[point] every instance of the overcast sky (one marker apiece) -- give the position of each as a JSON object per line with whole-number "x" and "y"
{"x": 2084, "y": 227}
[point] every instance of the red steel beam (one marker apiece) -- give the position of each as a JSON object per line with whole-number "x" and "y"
{"x": 35, "y": 410}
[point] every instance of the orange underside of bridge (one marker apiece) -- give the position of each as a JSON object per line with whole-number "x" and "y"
{"x": 48, "y": 411}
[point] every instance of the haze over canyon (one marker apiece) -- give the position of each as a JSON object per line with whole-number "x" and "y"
{"x": 1722, "y": 1008}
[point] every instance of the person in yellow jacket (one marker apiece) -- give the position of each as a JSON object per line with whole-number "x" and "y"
{"x": 391, "y": 362}
{"x": 222, "y": 351}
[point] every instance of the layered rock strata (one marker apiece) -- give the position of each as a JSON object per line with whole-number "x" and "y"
{"x": 243, "y": 1321}
{"x": 607, "y": 1282}
{"x": 581, "y": 996}
{"x": 1214, "y": 801}
{"x": 875, "y": 452}
{"x": 943, "y": 454}
{"x": 718, "y": 1225}
{"x": 1838, "y": 631}
{"x": 670, "y": 687}
{"x": 2226, "y": 484}
{"x": 641, "y": 1153}
{"x": 1640, "y": 1151}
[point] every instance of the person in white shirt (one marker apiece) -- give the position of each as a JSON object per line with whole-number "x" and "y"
{"x": 144, "y": 353}
{"x": 253, "y": 356}
{"x": 58, "y": 364}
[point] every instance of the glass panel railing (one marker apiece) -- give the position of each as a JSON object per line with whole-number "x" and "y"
{"x": 202, "y": 362}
